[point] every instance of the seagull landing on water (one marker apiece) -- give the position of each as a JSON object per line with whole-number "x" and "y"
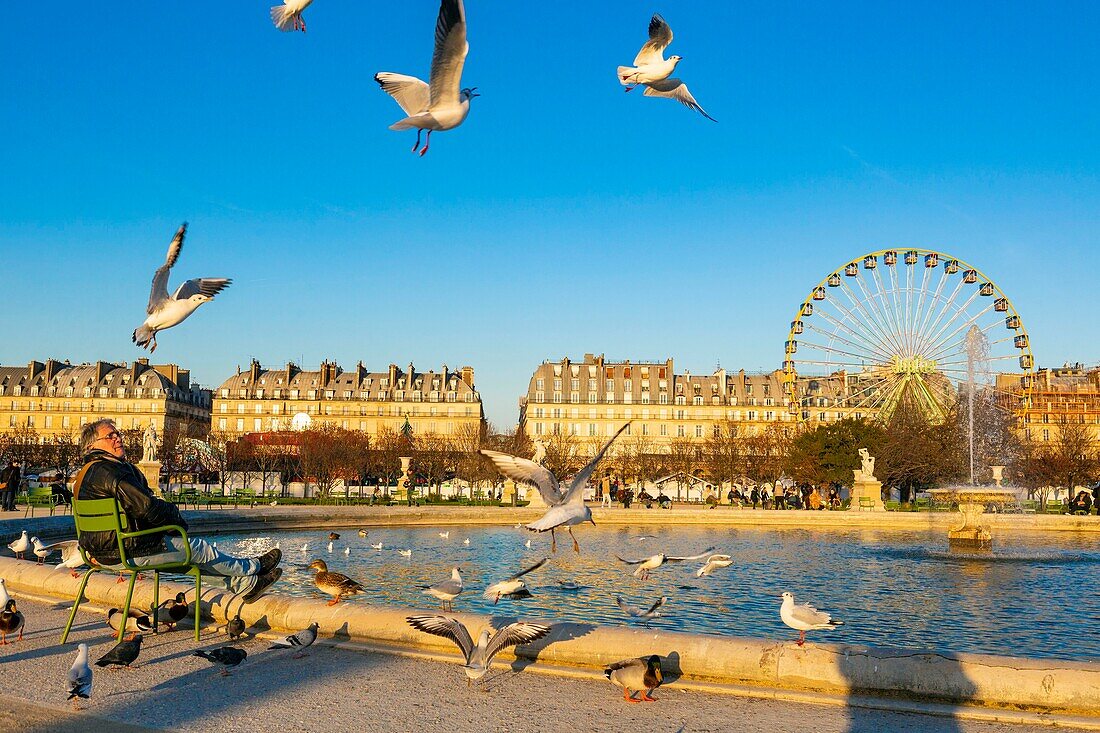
{"x": 566, "y": 509}
{"x": 803, "y": 617}
{"x": 438, "y": 104}
{"x": 652, "y": 70}
{"x": 288, "y": 16}
{"x": 478, "y": 656}
{"x": 165, "y": 311}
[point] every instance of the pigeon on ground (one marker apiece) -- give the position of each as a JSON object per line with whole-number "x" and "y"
{"x": 647, "y": 613}
{"x": 337, "y": 585}
{"x": 655, "y": 561}
{"x": 438, "y": 104}
{"x": 20, "y": 545}
{"x": 122, "y": 654}
{"x": 654, "y": 71}
{"x": 80, "y": 676}
{"x": 803, "y": 617}
{"x": 713, "y": 563}
{"x": 227, "y": 656}
{"x": 235, "y": 627}
{"x": 642, "y": 674}
{"x": 165, "y": 311}
{"x": 136, "y": 621}
{"x": 513, "y": 586}
{"x": 566, "y": 509}
{"x": 71, "y": 559}
{"x": 479, "y": 656}
{"x": 172, "y": 611}
{"x": 11, "y": 620}
{"x": 288, "y": 16}
{"x": 301, "y": 640}
{"x": 446, "y": 591}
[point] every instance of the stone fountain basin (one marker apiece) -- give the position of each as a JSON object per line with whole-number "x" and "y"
{"x": 978, "y": 495}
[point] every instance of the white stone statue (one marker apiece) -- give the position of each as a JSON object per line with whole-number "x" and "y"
{"x": 149, "y": 443}
{"x": 540, "y": 452}
{"x": 868, "y": 467}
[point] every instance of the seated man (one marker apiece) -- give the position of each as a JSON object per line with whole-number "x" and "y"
{"x": 106, "y": 474}
{"x": 61, "y": 493}
{"x": 1081, "y": 503}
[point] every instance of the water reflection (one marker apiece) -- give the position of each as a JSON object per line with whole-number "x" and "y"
{"x": 901, "y": 589}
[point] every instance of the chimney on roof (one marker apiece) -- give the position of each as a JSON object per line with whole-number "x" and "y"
{"x": 291, "y": 370}
{"x": 392, "y": 373}
{"x": 443, "y": 381}
{"x": 468, "y": 375}
{"x": 53, "y": 366}
{"x": 33, "y": 368}
{"x": 360, "y": 373}
{"x": 172, "y": 371}
{"x": 101, "y": 370}
{"x": 254, "y": 372}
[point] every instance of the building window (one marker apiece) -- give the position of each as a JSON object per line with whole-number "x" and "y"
{"x": 240, "y": 425}
{"x": 575, "y": 397}
{"x": 679, "y": 431}
{"x": 538, "y": 428}
{"x": 557, "y": 397}
{"x": 540, "y": 384}
{"x": 698, "y": 431}
{"x": 592, "y": 428}
{"x": 645, "y": 428}
{"x": 610, "y": 385}
{"x": 257, "y": 424}
{"x": 664, "y": 429}
{"x": 593, "y": 398}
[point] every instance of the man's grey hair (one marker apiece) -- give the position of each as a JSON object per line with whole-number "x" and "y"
{"x": 88, "y": 433}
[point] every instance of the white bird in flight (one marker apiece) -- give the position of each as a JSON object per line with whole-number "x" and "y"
{"x": 478, "y": 656}
{"x": 165, "y": 311}
{"x": 566, "y": 509}
{"x": 288, "y": 16}
{"x": 713, "y": 563}
{"x": 803, "y": 617}
{"x": 438, "y": 104}
{"x": 646, "y": 613}
{"x": 655, "y": 561}
{"x": 513, "y": 585}
{"x": 654, "y": 71}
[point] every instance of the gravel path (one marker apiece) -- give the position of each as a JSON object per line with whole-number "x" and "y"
{"x": 341, "y": 688}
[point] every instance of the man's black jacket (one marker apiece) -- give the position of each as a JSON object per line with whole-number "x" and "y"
{"x": 117, "y": 479}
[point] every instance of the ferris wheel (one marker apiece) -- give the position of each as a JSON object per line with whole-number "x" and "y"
{"x": 916, "y": 327}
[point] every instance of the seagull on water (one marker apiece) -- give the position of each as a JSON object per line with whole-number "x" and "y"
{"x": 803, "y": 617}
{"x": 713, "y": 563}
{"x": 466, "y": 541}
{"x": 288, "y": 16}
{"x": 80, "y": 676}
{"x": 566, "y": 509}
{"x": 376, "y": 545}
{"x": 647, "y": 613}
{"x": 165, "y": 311}
{"x": 512, "y": 586}
{"x": 655, "y": 561}
{"x": 445, "y": 535}
{"x": 438, "y": 104}
{"x": 404, "y": 553}
{"x": 652, "y": 70}
{"x": 478, "y": 656}
{"x": 446, "y": 591}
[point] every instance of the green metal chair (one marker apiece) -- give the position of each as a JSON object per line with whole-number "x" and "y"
{"x": 103, "y": 515}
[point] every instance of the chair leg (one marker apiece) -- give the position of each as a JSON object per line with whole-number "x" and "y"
{"x": 76, "y": 604}
{"x": 156, "y": 598}
{"x": 126, "y": 608}
{"x": 198, "y": 597}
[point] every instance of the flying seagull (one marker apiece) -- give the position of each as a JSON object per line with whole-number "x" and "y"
{"x": 566, "y": 509}
{"x": 438, "y": 104}
{"x": 652, "y": 70}
{"x": 513, "y": 586}
{"x": 288, "y": 16}
{"x": 447, "y": 590}
{"x": 80, "y": 676}
{"x": 803, "y": 617}
{"x": 646, "y": 613}
{"x": 479, "y": 656}
{"x": 166, "y": 310}
{"x": 713, "y": 563}
{"x": 301, "y": 640}
{"x": 655, "y": 561}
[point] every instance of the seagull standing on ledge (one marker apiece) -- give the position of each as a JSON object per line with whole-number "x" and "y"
{"x": 438, "y": 104}
{"x": 288, "y": 16}
{"x": 655, "y": 72}
{"x": 166, "y": 310}
{"x": 803, "y": 617}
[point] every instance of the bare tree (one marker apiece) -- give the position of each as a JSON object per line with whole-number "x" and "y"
{"x": 563, "y": 454}
{"x": 64, "y": 455}
{"x": 325, "y": 457}
{"x": 724, "y": 453}
{"x": 433, "y": 460}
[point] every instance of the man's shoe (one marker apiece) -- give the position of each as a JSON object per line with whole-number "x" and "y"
{"x": 263, "y": 582}
{"x": 269, "y": 561}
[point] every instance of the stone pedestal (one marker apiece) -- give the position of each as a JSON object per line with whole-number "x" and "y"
{"x": 508, "y": 493}
{"x": 970, "y": 534}
{"x": 866, "y": 488}
{"x": 532, "y": 495}
{"x": 151, "y": 471}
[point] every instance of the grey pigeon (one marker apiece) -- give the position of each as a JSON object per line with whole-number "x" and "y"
{"x": 301, "y": 640}
{"x": 123, "y": 654}
{"x": 227, "y": 656}
{"x": 235, "y": 627}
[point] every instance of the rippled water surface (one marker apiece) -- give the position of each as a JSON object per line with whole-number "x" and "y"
{"x": 1034, "y": 595}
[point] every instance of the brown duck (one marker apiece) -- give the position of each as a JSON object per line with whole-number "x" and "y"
{"x": 11, "y": 620}
{"x": 642, "y": 674}
{"x": 335, "y": 584}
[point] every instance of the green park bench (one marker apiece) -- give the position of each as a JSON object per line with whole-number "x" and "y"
{"x": 41, "y": 496}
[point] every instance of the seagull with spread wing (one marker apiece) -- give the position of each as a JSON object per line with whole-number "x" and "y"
{"x": 165, "y": 311}
{"x": 514, "y": 586}
{"x": 438, "y": 104}
{"x": 654, "y": 71}
{"x": 478, "y": 656}
{"x": 655, "y": 561}
{"x": 645, "y": 613}
{"x": 566, "y": 509}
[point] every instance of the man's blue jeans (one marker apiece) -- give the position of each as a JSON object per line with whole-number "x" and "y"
{"x": 239, "y": 572}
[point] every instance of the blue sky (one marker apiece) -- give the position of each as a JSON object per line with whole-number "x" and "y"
{"x": 563, "y": 216}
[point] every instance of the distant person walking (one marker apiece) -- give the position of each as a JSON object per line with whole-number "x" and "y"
{"x": 9, "y": 484}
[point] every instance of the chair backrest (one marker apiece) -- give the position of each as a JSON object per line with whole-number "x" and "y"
{"x": 100, "y": 515}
